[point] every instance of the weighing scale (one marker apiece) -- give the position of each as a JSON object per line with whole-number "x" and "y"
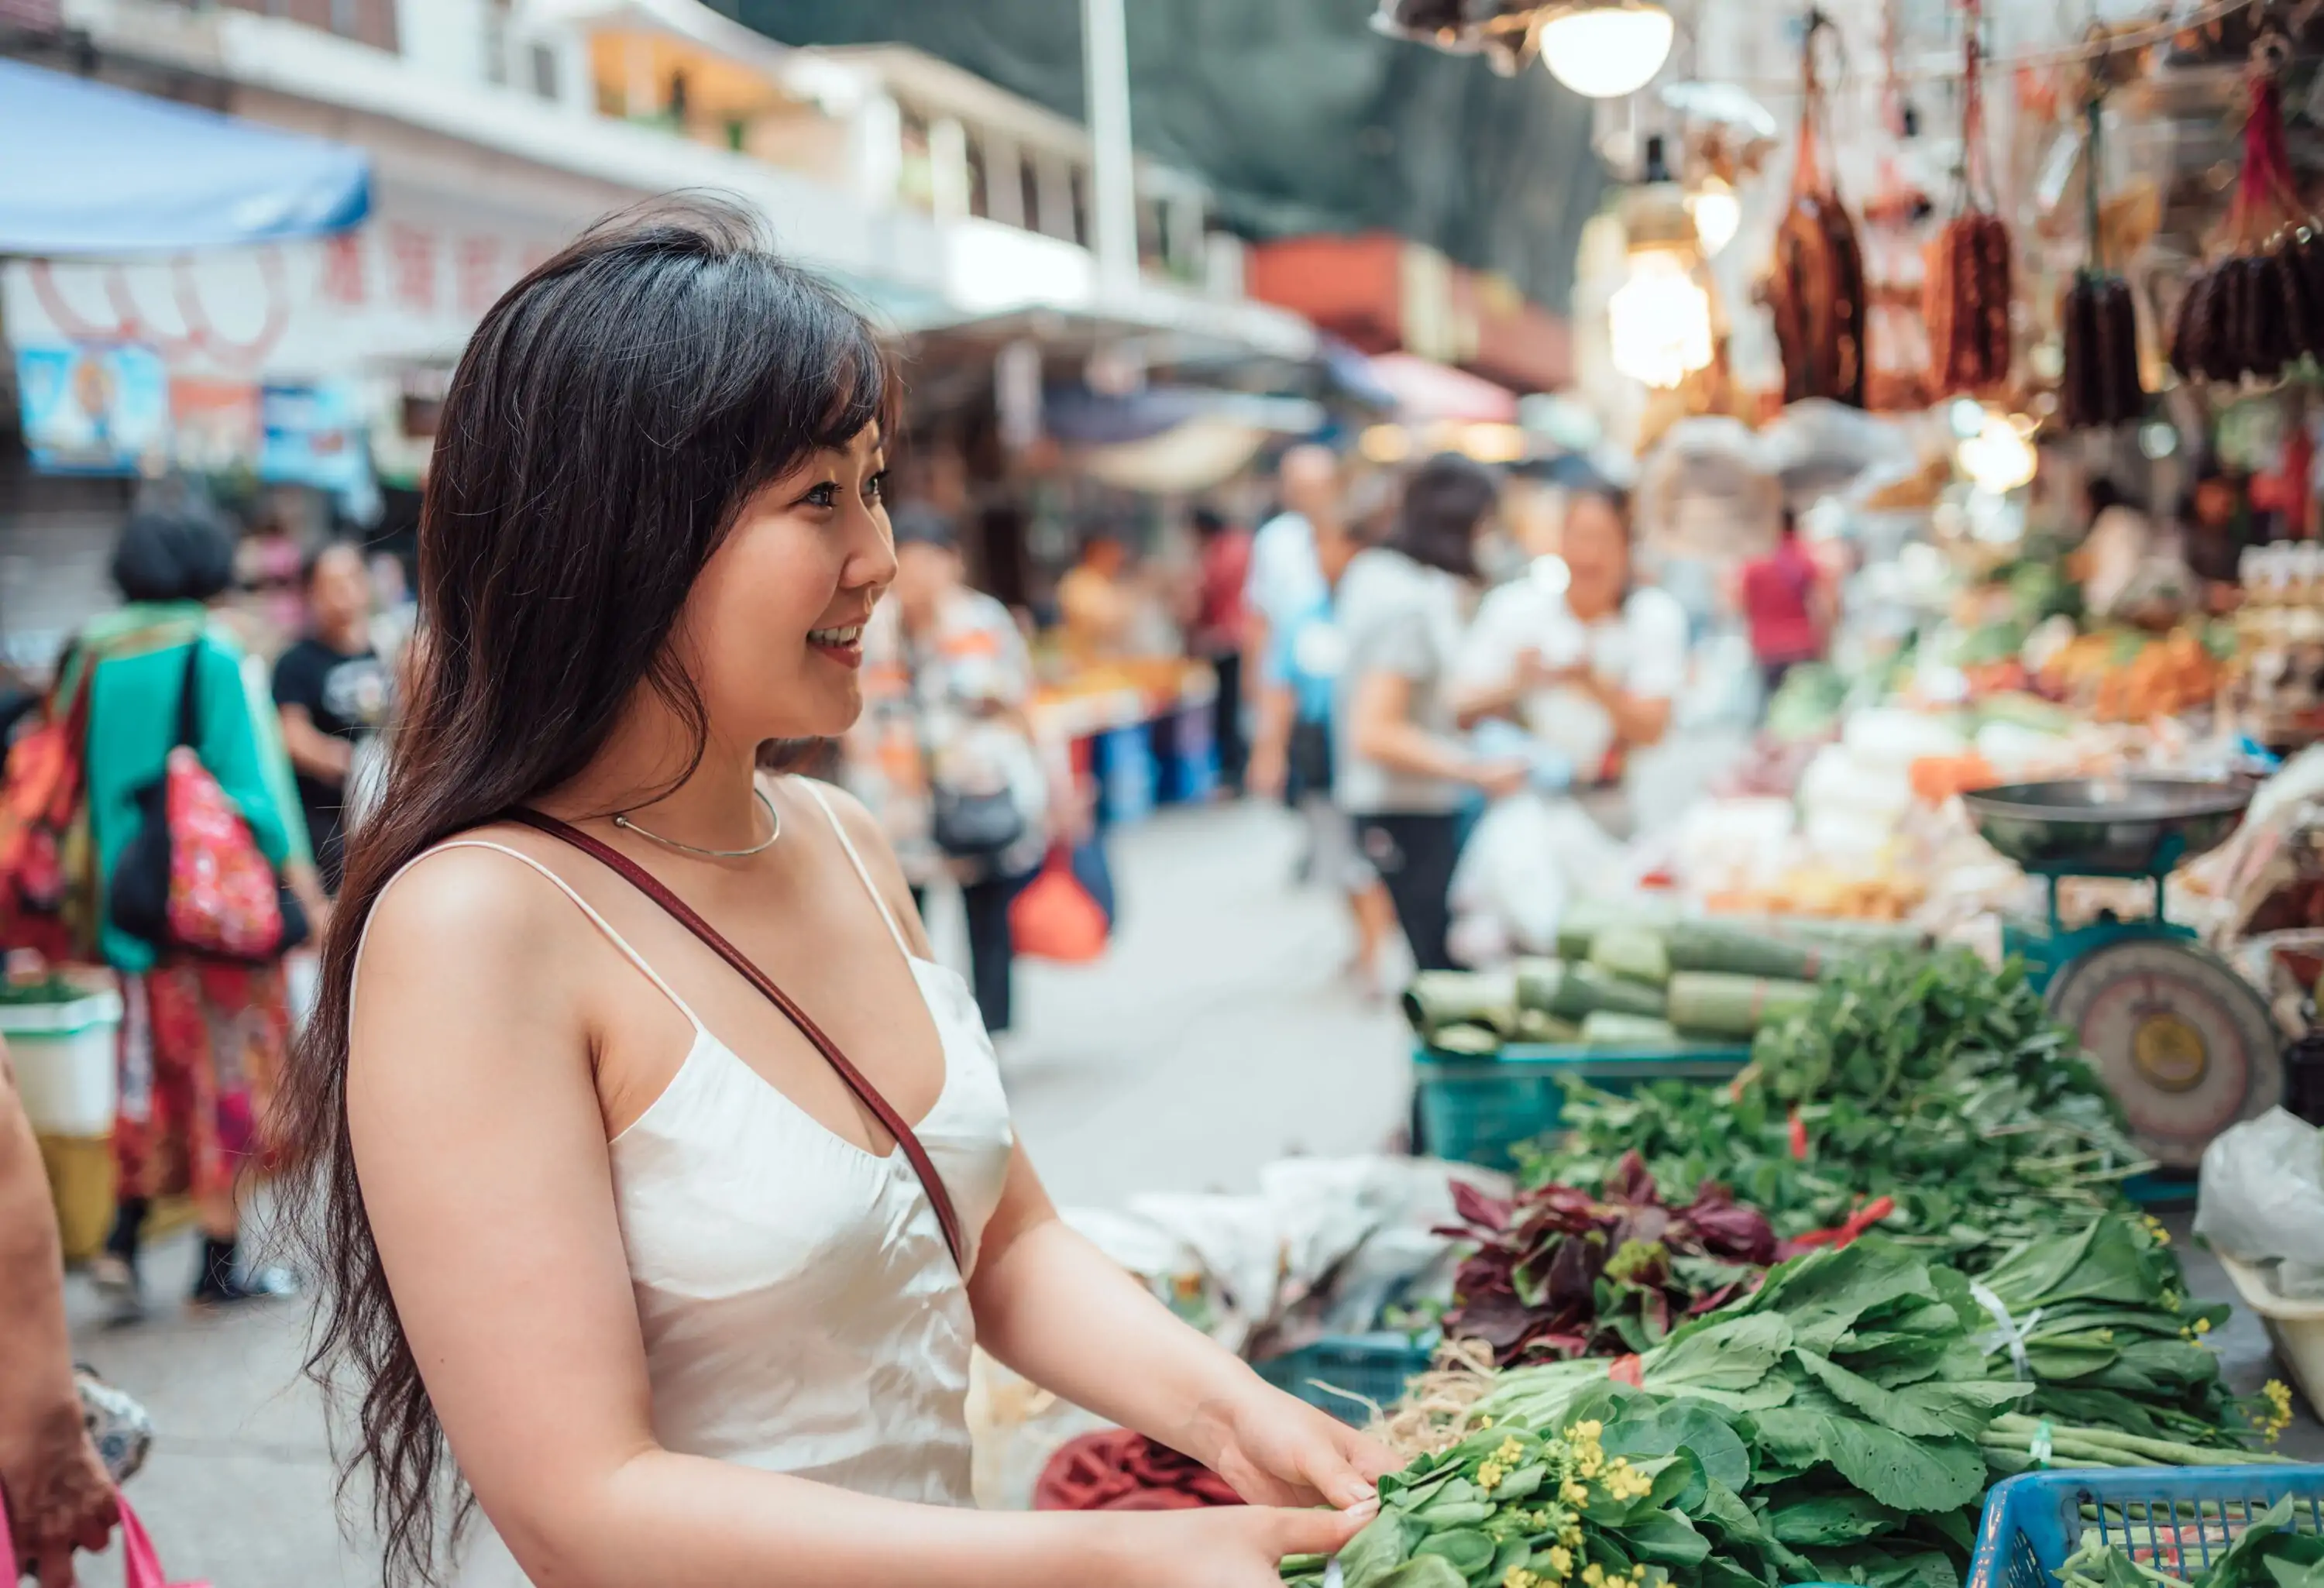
{"x": 2187, "y": 1045}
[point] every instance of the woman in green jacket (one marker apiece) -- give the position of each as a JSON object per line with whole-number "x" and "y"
{"x": 203, "y": 1039}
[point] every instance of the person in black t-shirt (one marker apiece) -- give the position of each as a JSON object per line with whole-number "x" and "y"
{"x": 332, "y": 689}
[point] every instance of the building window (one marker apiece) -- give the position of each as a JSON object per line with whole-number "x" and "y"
{"x": 345, "y": 20}
{"x": 980, "y": 195}
{"x": 1078, "y": 183}
{"x": 1029, "y": 182}
{"x": 544, "y": 72}
{"x": 496, "y": 41}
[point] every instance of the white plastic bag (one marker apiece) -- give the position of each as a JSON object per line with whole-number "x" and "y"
{"x": 1530, "y": 854}
{"x": 2261, "y": 1198}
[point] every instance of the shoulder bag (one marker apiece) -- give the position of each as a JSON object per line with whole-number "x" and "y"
{"x": 907, "y": 1142}
{"x": 192, "y": 877}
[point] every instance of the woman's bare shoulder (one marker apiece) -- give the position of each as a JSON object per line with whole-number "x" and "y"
{"x": 474, "y": 923}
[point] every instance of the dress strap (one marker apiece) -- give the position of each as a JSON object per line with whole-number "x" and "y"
{"x": 856, "y": 859}
{"x": 563, "y": 887}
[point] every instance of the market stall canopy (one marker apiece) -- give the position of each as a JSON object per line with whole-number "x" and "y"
{"x": 120, "y": 173}
{"x": 1426, "y": 392}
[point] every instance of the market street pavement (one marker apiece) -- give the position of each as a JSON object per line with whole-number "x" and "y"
{"x": 1216, "y": 1035}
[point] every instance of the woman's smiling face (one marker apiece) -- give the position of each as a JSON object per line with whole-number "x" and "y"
{"x": 773, "y": 631}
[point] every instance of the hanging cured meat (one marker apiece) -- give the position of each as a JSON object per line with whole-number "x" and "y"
{"x": 2259, "y": 308}
{"x": 2101, "y": 386}
{"x": 1816, "y": 293}
{"x": 1968, "y": 285}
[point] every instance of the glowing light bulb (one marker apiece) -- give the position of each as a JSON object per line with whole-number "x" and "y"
{"x": 1659, "y": 321}
{"x": 1605, "y": 48}
{"x": 1717, "y": 213}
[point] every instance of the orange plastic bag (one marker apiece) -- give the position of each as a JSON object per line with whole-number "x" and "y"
{"x": 1054, "y": 918}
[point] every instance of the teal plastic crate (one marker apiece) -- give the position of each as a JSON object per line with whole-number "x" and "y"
{"x": 1476, "y": 1110}
{"x": 2179, "y": 1520}
{"x": 1348, "y": 1375}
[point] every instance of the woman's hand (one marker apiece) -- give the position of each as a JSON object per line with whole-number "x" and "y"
{"x": 1275, "y": 1449}
{"x": 1231, "y": 1546}
{"x": 58, "y": 1496}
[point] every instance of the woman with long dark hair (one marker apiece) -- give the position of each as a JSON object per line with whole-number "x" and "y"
{"x": 609, "y": 1162}
{"x": 1401, "y": 771}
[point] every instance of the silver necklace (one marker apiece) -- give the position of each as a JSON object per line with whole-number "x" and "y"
{"x": 774, "y": 831}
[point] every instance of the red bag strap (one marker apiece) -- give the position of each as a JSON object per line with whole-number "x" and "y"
{"x": 907, "y": 1141}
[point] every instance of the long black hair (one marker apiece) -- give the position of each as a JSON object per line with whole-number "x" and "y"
{"x": 611, "y": 414}
{"x": 1445, "y": 500}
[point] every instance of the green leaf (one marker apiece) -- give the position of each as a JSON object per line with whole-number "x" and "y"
{"x": 1684, "y": 1424}
{"x": 1731, "y": 1355}
{"x": 1468, "y": 1550}
{"x": 1665, "y": 1536}
{"x": 1520, "y": 1485}
{"x": 1836, "y": 1519}
{"x": 1724, "y": 1509}
{"x": 1428, "y": 1571}
{"x": 1371, "y": 1554}
{"x": 1441, "y": 1518}
{"x": 1929, "y": 1410}
{"x": 1910, "y": 1475}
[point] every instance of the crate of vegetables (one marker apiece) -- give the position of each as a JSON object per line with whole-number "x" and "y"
{"x": 1472, "y": 1109}
{"x": 1351, "y": 1376}
{"x": 2234, "y": 1527}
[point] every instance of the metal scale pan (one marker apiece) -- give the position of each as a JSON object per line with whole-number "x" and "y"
{"x": 2185, "y": 1043}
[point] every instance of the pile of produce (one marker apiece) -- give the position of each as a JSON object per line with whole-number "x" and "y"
{"x": 1559, "y": 1273}
{"x": 2099, "y": 1322}
{"x": 1929, "y": 1079}
{"x": 1838, "y": 1425}
{"x": 1633, "y": 980}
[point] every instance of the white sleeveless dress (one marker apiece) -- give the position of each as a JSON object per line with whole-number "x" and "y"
{"x": 801, "y": 1309}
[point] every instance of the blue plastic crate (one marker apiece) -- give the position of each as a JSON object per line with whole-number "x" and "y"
{"x": 1476, "y": 1110}
{"x": 2032, "y": 1522}
{"x": 1348, "y": 1375}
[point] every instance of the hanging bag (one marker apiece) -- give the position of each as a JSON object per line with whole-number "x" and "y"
{"x": 966, "y": 824}
{"x": 40, "y": 794}
{"x": 192, "y": 878}
{"x": 1055, "y": 918}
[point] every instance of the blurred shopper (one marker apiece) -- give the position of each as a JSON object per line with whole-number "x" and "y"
{"x": 58, "y": 1496}
{"x": 645, "y": 1244}
{"x": 1580, "y": 655}
{"x": 1785, "y": 606}
{"x": 1286, "y": 582}
{"x": 203, "y": 1039}
{"x": 1219, "y": 635}
{"x": 333, "y": 689}
{"x": 1399, "y": 768}
{"x": 943, "y": 754}
{"x": 1096, "y": 604}
{"x": 1299, "y": 680}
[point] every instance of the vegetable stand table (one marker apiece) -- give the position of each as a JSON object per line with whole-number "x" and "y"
{"x": 1477, "y": 1110}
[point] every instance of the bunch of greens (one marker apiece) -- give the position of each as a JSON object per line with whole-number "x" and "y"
{"x": 1928, "y": 1077}
{"x": 1558, "y": 1272}
{"x": 1839, "y": 1424}
{"x": 2100, "y": 1322}
{"x": 2272, "y": 1552}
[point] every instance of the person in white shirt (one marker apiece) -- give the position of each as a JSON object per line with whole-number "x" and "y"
{"x": 1286, "y": 583}
{"x": 1574, "y": 652}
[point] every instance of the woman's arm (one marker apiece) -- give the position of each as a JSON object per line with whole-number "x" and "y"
{"x": 324, "y": 757}
{"x": 479, "y": 1135}
{"x": 1380, "y": 729}
{"x": 1639, "y": 720}
{"x": 56, "y": 1488}
{"x": 1054, "y": 1308}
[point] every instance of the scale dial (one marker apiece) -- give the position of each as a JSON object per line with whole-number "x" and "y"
{"x": 2187, "y": 1045}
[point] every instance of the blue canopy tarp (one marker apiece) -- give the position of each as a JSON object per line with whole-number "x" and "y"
{"x": 96, "y": 170}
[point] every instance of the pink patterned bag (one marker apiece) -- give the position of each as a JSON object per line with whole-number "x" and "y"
{"x": 224, "y": 898}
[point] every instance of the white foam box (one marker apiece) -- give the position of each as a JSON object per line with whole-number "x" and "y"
{"x": 2296, "y": 1328}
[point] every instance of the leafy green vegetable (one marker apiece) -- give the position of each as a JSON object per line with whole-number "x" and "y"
{"x": 1929, "y": 1078}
